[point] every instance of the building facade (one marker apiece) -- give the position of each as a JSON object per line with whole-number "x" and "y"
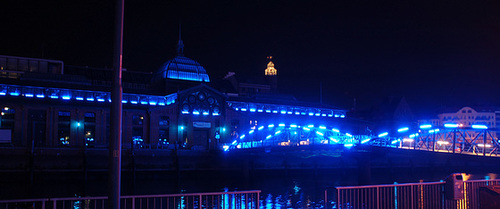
{"x": 46, "y": 104}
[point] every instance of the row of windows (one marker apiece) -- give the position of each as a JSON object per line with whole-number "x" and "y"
{"x": 65, "y": 126}
{"x": 484, "y": 117}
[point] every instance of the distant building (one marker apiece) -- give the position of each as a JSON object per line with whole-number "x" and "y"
{"x": 466, "y": 117}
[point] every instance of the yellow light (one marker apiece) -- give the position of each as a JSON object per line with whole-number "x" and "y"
{"x": 482, "y": 145}
{"x": 442, "y": 142}
{"x": 6, "y": 108}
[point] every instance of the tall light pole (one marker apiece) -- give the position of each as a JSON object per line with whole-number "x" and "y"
{"x": 115, "y": 142}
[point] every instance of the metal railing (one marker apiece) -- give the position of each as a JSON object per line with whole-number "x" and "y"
{"x": 214, "y": 200}
{"x": 407, "y": 196}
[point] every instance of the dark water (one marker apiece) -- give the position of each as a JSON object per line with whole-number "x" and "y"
{"x": 280, "y": 188}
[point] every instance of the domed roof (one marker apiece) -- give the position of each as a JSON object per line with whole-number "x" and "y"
{"x": 183, "y": 68}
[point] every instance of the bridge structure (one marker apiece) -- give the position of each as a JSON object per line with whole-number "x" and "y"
{"x": 449, "y": 138}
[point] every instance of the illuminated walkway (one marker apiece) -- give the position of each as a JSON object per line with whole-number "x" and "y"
{"x": 451, "y": 138}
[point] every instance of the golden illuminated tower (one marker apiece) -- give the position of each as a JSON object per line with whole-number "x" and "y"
{"x": 272, "y": 75}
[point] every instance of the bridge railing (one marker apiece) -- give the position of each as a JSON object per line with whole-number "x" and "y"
{"x": 412, "y": 195}
{"x": 215, "y": 200}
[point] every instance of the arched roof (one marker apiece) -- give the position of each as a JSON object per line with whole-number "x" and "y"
{"x": 183, "y": 68}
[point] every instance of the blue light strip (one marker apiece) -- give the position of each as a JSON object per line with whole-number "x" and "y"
{"x": 78, "y": 95}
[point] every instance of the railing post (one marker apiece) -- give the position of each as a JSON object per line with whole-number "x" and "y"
{"x": 199, "y": 202}
{"x": 133, "y": 202}
{"x": 326, "y": 200}
{"x": 378, "y": 198}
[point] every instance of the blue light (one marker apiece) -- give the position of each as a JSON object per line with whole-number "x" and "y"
{"x": 394, "y": 141}
{"x": 101, "y": 100}
{"x": 366, "y": 140}
{"x": 311, "y": 114}
{"x": 185, "y": 112}
{"x": 319, "y": 133}
{"x": 91, "y": 99}
{"x": 260, "y": 128}
{"x": 234, "y": 142}
{"x": 161, "y": 103}
{"x": 383, "y": 134}
{"x": 412, "y": 136}
{"x": 182, "y": 127}
{"x": 251, "y": 131}
{"x": 40, "y": 96}
{"x": 335, "y": 130}
{"x": 425, "y": 126}
{"x": 242, "y": 136}
{"x": 226, "y": 148}
{"x": 124, "y": 101}
{"x": 283, "y": 112}
{"x": 268, "y": 111}
{"x": 260, "y": 110}
{"x": 2, "y": 93}
{"x": 281, "y": 125}
{"x": 342, "y": 116}
{"x": 317, "y": 114}
{"x": 348, "y": 145}
{"x": 348, "y": 134}
{"x": 450, "y": 125}
{"x": 269, "y": 136}
{"x": 479, "y": 127}
{"x": 152, "y": 103}
{"x": 337, "y": 115}
{"x": 334, "y": 140}
{"x": 66, "y": 97}
{"x": 324, "y": 115}
{"x": 14, "y": 94}
{"x": 54, "y": 97}
{"x": 289, "y": 112}
{"x": 270, "y": 126}
{"x": 215, "y": 114}
{"x": 330, "y": 115}
{"x": 275, "y": 111}
{"x": 244, "y": 109}
{"x": 79, "y": 98}
{"x": 435, "y": 130}
{"x": 310, "y": 125}
{"x": 195, "y": 112}
{"x": 237, "y": 108}
{"x": 253, "y": 109}
{"x": 322, "y": 127}
{"x": 28, "y": 95}
{"x": 206, "y": 113}
{"x": 293, "y": 126}
{"x": 303, "y": 113}
{"x": 403, "y": 129}
{"x": 277, "y": 132}
{"x": 78, "y": 124}
{"x": 297, "y": 113}
{"x": 144, "y": 102}
{"x": 306, "y": 129}
{"x": 133, "y": 102}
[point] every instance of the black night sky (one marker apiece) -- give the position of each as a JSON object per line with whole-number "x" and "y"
{"x": 436, "y": 54}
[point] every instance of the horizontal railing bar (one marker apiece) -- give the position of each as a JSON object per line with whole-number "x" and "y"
{"x": 389, "y": 185}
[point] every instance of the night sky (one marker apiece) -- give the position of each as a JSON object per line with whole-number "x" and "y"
{"x": 435, "y": 54}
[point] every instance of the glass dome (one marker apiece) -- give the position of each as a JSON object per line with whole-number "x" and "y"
{"x": 183, "y": 68}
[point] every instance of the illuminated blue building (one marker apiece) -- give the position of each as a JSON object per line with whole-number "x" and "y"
{"x": 47, "y": 104}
